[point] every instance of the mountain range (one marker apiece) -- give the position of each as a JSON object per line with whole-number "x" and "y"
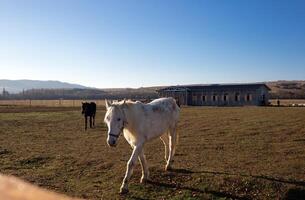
{"x": 16, "y": 86}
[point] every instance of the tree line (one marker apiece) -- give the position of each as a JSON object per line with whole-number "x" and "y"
{"x": 70, "y": 94}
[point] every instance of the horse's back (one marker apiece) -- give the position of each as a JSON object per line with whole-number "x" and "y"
{"x": 90, "y": 108}
{"x": 157, "y": 117}
{"x": 165, "y": 106}
{"x": 162, "y": 100}
{"x": 93, "y": 105}
{"x": 153, "y": 119}
{"x": 93, "y": 108}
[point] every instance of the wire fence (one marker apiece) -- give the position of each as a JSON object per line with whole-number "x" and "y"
{"x": 49, "y": 103}
{"x": 78, "y": 103}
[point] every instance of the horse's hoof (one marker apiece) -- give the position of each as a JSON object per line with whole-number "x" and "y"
{"x": 168, "y": 168}
{"x": 144, "y": 180}
{"x": 124, "y": 191}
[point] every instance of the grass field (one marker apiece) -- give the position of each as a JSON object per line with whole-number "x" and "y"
{"x": 223, "y": 153}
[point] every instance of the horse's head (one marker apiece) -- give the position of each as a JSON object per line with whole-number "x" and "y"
{"x": 115, "y": 120}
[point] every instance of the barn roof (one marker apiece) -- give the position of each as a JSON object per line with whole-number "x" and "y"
{"x": 214, "y": 86}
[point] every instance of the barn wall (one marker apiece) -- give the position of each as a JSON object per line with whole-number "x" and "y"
{"x": 223, "y": 96}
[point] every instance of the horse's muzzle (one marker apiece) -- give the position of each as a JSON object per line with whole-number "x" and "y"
{"x": 111, "y": 142}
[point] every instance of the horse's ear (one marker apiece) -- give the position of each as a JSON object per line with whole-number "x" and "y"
{"x": 107, "y": 103}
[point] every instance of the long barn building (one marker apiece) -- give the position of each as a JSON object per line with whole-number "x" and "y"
{"x": 218, "y": 94}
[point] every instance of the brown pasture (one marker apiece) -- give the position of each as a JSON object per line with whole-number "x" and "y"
{"x": 223, "y": 153}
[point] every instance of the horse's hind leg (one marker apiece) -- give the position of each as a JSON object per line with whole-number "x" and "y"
{"x": 90, "y": 121}
{"x": 145, "y": 172}
{"x": 164, "y": 139}
{"x": 85, "y": 122}
{"x": 93, "y": 120}
{"x": 172, "y": 147}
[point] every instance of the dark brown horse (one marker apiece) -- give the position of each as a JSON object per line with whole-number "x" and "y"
{"x": 89, "y": 110}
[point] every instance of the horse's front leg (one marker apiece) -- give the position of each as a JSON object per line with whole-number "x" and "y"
{"x": 85, "y": 122}
{"x": 130, "y": 165}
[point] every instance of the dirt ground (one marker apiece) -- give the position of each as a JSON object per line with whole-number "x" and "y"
{"x": 223, "y": 153}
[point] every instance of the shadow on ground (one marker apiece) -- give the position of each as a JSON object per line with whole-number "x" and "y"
{"x": 173, "y": 181}
{"x": 295, "y": 194}
{"x": 180, "y": 174}
{"x": 192, "y": 189}
{"x": 269, "y": 178}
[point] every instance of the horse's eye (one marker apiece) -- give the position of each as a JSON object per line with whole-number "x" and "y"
{"x": 119, "y": 119}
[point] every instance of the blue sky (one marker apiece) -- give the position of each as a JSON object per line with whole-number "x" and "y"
{"x": 135, "y": 43}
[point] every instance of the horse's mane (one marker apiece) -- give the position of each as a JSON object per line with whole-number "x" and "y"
{"x": 125, "y": 102}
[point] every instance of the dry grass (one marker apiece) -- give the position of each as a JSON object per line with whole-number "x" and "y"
{"x": 223, "y": 153}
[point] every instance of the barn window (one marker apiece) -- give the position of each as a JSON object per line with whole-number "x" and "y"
{"x": 214, "y": 97}
{"x": 203, "y": 98}
{"x": 248, "y": 97}
{"x": 225, "y": 97}
{"x": 237, "y": 97}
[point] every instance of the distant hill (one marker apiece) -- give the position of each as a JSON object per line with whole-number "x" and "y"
{"x": 287, "y": 89}
{"x": 16, "y": 86}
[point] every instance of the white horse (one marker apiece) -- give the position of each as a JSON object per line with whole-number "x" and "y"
{"x": 141, "y": 123}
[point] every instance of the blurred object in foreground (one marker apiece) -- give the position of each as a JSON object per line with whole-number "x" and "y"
{"x": 12, "y": 188}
